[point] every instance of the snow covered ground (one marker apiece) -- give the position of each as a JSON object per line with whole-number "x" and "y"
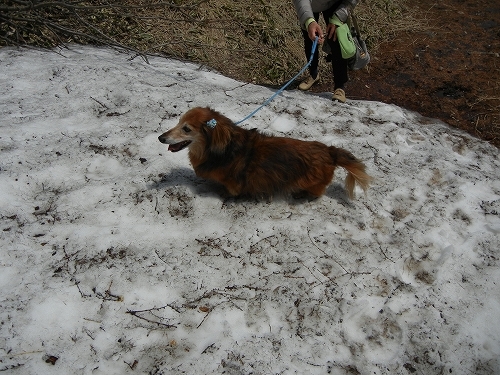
{"x": 116, "y": 259}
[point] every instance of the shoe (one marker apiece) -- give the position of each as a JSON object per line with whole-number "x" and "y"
{"x": 307, "y": 83}
{"x": 339, "y": 95}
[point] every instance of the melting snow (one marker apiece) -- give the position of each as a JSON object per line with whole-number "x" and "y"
{"x": 116, "y": 259}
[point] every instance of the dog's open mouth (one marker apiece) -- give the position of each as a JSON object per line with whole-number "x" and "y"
{"x": 178, "y": 146}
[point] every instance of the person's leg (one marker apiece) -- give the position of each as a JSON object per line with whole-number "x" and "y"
{"x": 308, "y": 44}
{"x": 313, "y": 67}
{"x": 339, "y": 65}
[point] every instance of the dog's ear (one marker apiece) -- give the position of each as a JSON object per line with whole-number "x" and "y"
{"x": 219, "y": 131}
{"x": 221, "y": 135}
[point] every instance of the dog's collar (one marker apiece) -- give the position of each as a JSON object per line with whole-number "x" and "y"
{"x": 212, "y": 123}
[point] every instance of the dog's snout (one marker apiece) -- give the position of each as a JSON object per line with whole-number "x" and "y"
{"x": 162, "y": 138}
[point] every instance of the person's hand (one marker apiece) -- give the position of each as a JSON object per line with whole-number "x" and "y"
{"x": 330, "y": 31}
{"x": 314, "y": 30}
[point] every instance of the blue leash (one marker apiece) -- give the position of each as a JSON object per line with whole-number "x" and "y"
{"x": 315, "y": 44}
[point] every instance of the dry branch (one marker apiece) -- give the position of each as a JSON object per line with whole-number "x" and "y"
{"x": 138, "y": 314}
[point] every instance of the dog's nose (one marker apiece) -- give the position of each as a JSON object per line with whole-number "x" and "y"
{"x": 161, "y": 138}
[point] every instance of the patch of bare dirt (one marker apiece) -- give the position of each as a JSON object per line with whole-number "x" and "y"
{"x": 450, "y": 71}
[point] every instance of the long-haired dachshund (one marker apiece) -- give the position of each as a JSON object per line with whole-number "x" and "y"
{"x": 247, "y": 162}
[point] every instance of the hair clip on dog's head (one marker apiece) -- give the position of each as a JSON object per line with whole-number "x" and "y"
{"x": 212, "y": 123}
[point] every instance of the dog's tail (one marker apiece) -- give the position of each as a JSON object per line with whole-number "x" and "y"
{"x": 355, "y": 169}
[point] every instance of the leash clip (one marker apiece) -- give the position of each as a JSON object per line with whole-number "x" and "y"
{"x": 212, "y": 123}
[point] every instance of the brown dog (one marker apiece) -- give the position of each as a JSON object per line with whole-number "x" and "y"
{"x": 247, "y": 162}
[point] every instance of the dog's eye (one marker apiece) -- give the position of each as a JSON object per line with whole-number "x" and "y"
{"x": 186, "y": 129}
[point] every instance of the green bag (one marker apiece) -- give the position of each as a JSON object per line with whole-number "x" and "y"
{"x": 347, "y": 45}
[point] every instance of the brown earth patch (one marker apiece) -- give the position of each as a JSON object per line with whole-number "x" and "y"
{"x": 450, "y": 72}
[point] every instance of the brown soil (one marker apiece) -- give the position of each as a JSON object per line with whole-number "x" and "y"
{"x": 450, "y": 71}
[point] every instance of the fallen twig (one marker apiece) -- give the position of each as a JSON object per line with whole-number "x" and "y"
{"x": 136, "y": 314}
{"x": 328, "y": 256}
